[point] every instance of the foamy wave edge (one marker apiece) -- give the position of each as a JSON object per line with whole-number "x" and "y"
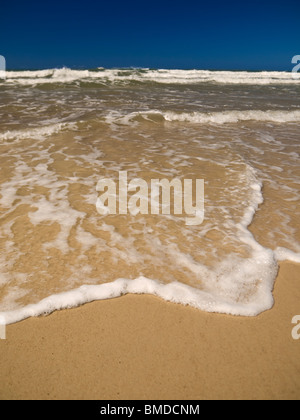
{"x": 173, "y": 292}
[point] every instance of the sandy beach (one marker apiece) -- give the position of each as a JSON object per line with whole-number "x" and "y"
{"x": 140, "y": 347}
{"x": 149, "y": 204}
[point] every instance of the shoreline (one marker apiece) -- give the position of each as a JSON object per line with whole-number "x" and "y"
{"x": 141, "y": 347}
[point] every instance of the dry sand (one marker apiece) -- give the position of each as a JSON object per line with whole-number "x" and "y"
{"x": 140, "y": 347}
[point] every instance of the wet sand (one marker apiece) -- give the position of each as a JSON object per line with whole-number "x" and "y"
{"x": 140, "y": 347}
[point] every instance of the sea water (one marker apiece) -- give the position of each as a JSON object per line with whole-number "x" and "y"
{"x": 62, "y": 130}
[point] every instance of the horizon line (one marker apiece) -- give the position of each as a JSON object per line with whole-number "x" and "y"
{"x": 144, "y": 68}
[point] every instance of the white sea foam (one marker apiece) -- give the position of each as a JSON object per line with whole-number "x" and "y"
{"x": 284, "y": 254}
{"x": 164, "y": 76}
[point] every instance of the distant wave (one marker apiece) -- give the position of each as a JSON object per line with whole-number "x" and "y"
{"x": 234, "y": 116}
{"x": 100, "y": 75}
{"x": 206, "y": 118}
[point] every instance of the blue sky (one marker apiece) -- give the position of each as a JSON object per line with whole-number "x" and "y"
{"x": 262, "y": 35}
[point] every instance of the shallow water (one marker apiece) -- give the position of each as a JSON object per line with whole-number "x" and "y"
{"x": 62, "y": 131}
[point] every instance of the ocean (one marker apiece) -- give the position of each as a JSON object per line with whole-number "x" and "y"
{"x": 63, "y": 130}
